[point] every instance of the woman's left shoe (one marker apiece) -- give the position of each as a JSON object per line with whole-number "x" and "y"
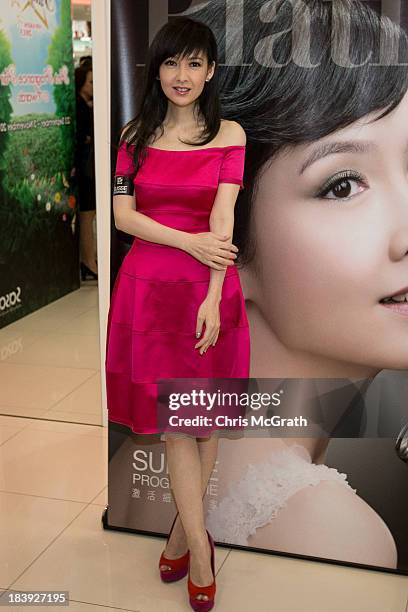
{"x": 179, "y": 566}
{"x": 203, "y": 605}
{"x": 85, "y": 272}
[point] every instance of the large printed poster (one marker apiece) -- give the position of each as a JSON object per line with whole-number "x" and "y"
{"x": 322, "y": 229}
{"x": 38, "y": 234}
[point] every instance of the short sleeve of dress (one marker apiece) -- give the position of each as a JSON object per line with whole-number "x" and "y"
{"x": 232, "y": 168}
{"x": 124, "y": 171}
{"x": 124, "y": 160}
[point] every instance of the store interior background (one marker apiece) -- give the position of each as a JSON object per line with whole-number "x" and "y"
{"x": 55, "y": 447}
{"x": 51, "y": 358}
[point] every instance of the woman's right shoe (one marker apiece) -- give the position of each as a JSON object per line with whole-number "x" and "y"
{"x": 179, "y": 566}
{"x": 85, "y": 271}
{"x": 203, "y": 605}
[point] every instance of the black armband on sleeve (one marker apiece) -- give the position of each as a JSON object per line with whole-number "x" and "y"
{"x": 123, "y": 185}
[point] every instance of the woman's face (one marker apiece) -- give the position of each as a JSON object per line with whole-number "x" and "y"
{"x": 188, "y": 73}
{"x": 330, "y": 222}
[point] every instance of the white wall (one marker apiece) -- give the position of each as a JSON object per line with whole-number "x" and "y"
{"x": 101, "y": 85}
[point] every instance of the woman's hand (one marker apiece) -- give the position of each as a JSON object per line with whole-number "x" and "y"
{"x": 211, "y": 249}
{"x": 208, "y": 313}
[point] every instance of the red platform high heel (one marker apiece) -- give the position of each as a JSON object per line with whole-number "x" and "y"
{"x": 179, "y": 566}
{"x": 203, "y": 605}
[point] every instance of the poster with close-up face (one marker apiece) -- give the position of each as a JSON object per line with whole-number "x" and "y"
{"x": 321, "y": 90}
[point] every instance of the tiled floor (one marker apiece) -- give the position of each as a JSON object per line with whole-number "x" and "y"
{"x": 51, "y": 361}
{"x": 53, "y": 491}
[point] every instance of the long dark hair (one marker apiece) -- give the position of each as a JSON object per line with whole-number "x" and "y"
{"x": 81, "y": 73}
{"x": 180, "y": 36}
{"x": 288, "y": 105}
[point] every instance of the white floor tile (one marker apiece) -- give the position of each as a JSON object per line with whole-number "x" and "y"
{"x": 108, "y": 568}
{"x": 84, "y": 399}
{"x": 62, "y": 350}
{"x": 37, "y": 386}
{"x": 27, "y": 526}
{"x": 57, "y": 464}
{"x": 13, "y": 343}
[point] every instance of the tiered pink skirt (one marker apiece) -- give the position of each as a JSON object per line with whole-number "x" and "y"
{"x": 151, "y": 330}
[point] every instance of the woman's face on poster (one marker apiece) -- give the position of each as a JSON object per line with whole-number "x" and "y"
{"x": 330, "y": 222}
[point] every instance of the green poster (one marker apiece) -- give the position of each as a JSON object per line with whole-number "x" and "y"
{"x": 38, "y": 228}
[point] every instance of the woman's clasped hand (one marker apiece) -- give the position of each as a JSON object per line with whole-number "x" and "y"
{"x": 218, "y": 252}
{"x": 214, "y": 250}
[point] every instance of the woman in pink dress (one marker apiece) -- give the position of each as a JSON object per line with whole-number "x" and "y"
{"x": 177, "y": 308}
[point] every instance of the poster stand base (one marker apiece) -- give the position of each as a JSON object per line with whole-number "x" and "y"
{"x": 106, "y": 525}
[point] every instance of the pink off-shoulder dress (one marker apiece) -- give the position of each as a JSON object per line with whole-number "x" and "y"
{"x": 158, "y": 290}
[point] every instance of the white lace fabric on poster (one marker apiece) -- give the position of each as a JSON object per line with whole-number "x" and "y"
{"x": 255, "y": 499}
